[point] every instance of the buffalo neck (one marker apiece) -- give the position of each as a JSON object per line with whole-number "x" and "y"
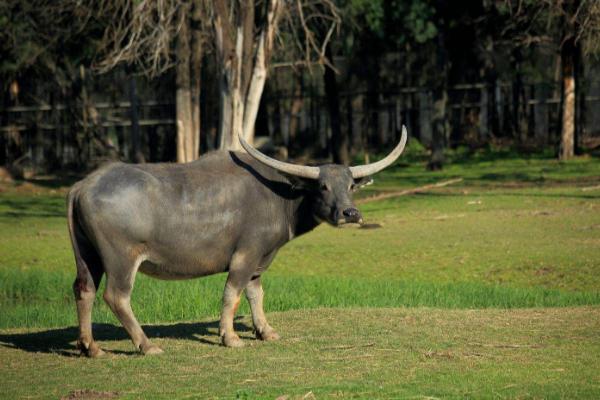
{"x": 302, "y": 219}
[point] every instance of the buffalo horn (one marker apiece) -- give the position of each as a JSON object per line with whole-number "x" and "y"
{"x": 291, "y": 169}
{"x": 361, "y": 171}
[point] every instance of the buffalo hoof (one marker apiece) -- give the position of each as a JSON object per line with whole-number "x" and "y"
{"x": 151, "y": 349}
{"x": 268, "y": 335}
{"x": 92, "y": 350}
{"x": 232, "y": 341}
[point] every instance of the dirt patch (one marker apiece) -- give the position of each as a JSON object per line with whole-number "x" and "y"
{"x": 389, "y": 195}
{"x": 534, "y": 213}
{"x": 585, "y": 183}
{"x": 590, "y": 227}
{"x": 544, "y": 271}
{"x": 438, "y": 354}
{"x": 89, "y": 394}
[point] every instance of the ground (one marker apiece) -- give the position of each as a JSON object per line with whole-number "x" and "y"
{"x": 331, "y": 353}
{"x": 486, "y": 288}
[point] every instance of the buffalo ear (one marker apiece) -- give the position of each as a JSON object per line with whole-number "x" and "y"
{"x": 360, "y": 182}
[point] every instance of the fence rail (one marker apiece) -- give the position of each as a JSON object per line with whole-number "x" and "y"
{"x": 475, "y": 112}
{"x": 100, "y": 105}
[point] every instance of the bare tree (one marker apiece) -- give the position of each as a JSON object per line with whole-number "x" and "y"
{"x": 142, "y": 33}
{"x": 580, "y": 22}
{"x": 199, "y": 39}
{"x": 245, "y": 37}
{"x": 243, "y": 65}
{"x": 183, "y": 92}
{"x": 571, "y": 27}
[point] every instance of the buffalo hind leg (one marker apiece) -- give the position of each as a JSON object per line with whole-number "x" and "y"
{"x": 255, "y": 294}
{"x": 84, "y": 289}
{"x": 117, "y": 295}
{"x": 240, "y": 272}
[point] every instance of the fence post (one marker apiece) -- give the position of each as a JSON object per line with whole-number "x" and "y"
{"x": 425, "y": 117}
{"x": 358, "y": 113}
{"x": 383, "y": 124}
{"x": 483, "y": 114}
{"x": 498, "y": 101}
{"x": 540, "y": 113}
{"x": 136, "y": 154}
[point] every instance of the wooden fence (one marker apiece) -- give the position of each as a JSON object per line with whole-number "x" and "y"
{"x": 45, "y": 136}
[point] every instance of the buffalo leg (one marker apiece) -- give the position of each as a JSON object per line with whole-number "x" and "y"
{"x": 255, "y": 294}
{"x": 240, "y": 272}
{"x": 117, "y": 295}
{"x": 84, "y": 289}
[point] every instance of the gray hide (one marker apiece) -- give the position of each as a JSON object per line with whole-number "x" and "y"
{"x": 226, "y": 212}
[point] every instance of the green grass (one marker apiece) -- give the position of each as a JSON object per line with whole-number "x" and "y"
{"x": 405, "y": 353}
{"x": 515, "y": 233}
{"x": 484, "y": 243}
{"x": 35, "y": 299}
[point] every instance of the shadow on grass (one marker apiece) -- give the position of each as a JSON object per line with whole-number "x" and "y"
{"x": 61, "y": 341}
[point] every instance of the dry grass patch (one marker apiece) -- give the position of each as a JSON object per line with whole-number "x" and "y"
{"x": 331, "y": 353}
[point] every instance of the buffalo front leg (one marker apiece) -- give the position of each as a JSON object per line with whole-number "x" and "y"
{"x": 255, "y": 294}
{"x": 240, "y": 272}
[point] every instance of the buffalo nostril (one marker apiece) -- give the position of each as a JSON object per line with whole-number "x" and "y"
{"x": 351, "y": 212}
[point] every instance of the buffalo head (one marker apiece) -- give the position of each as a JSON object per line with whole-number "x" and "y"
{"x": 331, "y": 185}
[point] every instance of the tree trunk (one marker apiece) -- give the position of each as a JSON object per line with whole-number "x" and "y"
{"x": 183, "y": 94}
{"x": 580, "y": 103}
{"x": 251, "y": 98}
{"x": 439, "y": 125}
{"x": 519, "y": 122}
{"x": 439, "y": 129}
{"x": 484, "y": 116}
{"x": 425, "y": 108}
{"x": 567, "y": 137}
{"x": 339, "y": 139}
{"x": 243, "y": 64}
{"x": 136, "y": 146}
{"x": 84, "y": 138}
{"x": 196, "y": 78}
{"x": 372, "y": 103}
{"x": 56, "y": 154}
{"x": 540, "y": 115}
{"x": 296, "y": 107}
{"x": 229, "y": 42}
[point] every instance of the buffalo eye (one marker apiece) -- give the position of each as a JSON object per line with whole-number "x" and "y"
{"x": 325, "y": 187}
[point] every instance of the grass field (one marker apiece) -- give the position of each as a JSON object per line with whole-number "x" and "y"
{"x": 487, "y": 288}
{"x": 410, "y": 353}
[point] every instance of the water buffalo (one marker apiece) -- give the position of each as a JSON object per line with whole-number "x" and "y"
{"x": 226, "y": 212}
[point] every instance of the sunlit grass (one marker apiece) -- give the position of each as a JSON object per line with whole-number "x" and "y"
{"x": 365, "y": 353}
{"x": 434, "y": 304}
{"x": 486, "y": 242}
